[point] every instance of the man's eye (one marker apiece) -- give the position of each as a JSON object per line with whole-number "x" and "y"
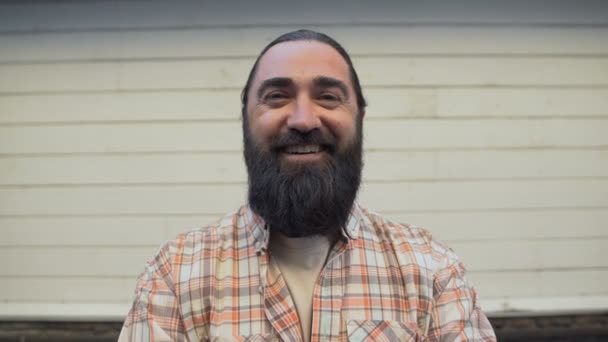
{"x": 276, "y": 99}
{"x": 329, "y": 100}
{"x": 328, "y": 97}
{"x": 276, "y": 96}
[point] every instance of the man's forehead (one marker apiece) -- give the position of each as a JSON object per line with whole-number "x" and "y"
{"x": 302, "y": 60}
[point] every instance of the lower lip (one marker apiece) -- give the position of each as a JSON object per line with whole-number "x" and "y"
{"x": 303, "y": 157}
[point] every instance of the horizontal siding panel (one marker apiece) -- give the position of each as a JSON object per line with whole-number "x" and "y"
{"x": 135, "y": 14}
{"x": 383, "y": 103}
{"x": 112, "y": 76}
{"x": 124, "y": 169}
{"x": 227, "y": 136}
{"x": 133, "y": 137}
{"x": 541, "y": 283}
{"x": 62, "y": 77}
{"x": 446, "y": 226}
{"x": 482, "y": 71}
{"x": 454, "y": 134}
{"x": 68, "y": 289}
{"x": 229, "y": 167}
{"x": 532, "y": 255}
{"x": 404, "y": 71}
{"x": 515, "y": 224}
{"x": 359, "y": 40}
{"x": 66, "y": 312}
{"x": 96, "y": 231}
{"x": 86, "y": 262}
{"x": 157, "y": 105}
{"x": 185, "y": 199}
{"x": 397, "y": 165}
{"x": 210, "y": 199}
{"x": 507, "y": 306}
{"x": 129, "y": 261}
{"x": 531, "y": 102}
{"x": 467, "y": 195}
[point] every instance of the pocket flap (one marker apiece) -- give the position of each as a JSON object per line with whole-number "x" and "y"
{"x": 365, "y": 330}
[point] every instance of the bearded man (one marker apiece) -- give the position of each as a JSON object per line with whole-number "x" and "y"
{"x": 302, "y": 261}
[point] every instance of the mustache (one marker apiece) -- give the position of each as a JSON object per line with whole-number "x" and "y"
{"x": 295, "y": 137}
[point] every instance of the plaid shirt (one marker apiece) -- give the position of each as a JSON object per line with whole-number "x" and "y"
{"x": 384, "y": 282}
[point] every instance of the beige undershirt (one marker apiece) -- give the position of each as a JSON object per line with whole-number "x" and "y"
{"x": 300, "y": 261}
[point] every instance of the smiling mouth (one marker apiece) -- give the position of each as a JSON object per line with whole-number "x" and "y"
{"x": 303, "y": 149}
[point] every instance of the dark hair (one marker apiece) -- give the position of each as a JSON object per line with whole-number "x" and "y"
{"x": 311, "y": 36}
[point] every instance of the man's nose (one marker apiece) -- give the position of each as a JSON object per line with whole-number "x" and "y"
{"x": 304, "y": 118}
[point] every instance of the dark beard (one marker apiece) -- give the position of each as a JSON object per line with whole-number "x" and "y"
{"x": 304, "y": 199}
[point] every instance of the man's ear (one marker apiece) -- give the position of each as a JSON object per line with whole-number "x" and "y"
{"x": 362, "y": 113}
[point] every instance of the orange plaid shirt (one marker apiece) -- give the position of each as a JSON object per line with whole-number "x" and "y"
{"x": 383, "y": 282}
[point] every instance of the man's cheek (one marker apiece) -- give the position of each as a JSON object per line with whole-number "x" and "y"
{"x": 261, "y": 133}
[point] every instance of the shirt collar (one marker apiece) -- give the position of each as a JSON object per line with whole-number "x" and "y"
{"x": 259, "y": 230}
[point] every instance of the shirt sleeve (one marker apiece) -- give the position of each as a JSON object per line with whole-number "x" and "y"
{"x": 456, "y": 315}
{"x": 155, "y": 314}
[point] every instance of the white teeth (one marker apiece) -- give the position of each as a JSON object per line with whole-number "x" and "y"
{"x": 303, "y": 149}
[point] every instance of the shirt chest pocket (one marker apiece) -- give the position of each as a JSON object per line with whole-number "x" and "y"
{"x": 364, "y": 330}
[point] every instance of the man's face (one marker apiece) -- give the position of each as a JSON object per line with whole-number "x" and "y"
{"x": 303, "y": 140}
{"x": 302, "y": 86}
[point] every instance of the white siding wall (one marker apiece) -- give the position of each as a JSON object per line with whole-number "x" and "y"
{"x": 119, "y": 128}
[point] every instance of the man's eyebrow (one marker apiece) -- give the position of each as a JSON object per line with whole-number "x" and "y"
{"x": 330, "y": 82}
{"x": 275, "y": 82}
